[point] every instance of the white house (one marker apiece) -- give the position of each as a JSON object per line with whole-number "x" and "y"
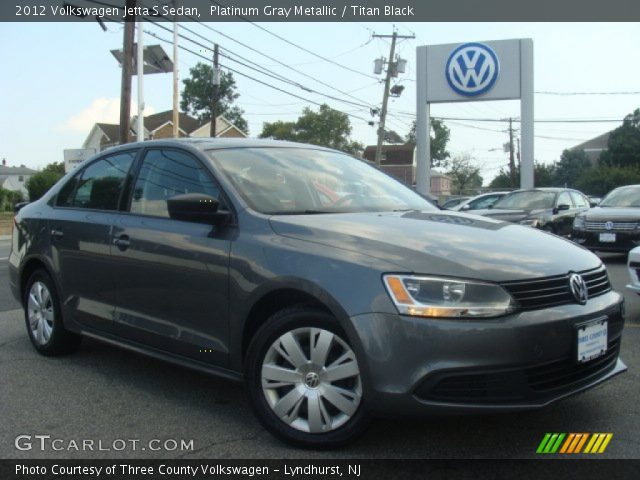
{"x": 15, "y": 178}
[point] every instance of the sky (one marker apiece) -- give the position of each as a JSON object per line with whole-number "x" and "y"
{"x": 58, "y": 79}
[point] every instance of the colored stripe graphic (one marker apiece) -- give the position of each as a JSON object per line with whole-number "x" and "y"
{"x": 550, "y": 443}
{"x": 573, "y": 443}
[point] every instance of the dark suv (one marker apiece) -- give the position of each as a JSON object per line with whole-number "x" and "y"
{"x": 332, "y": 290}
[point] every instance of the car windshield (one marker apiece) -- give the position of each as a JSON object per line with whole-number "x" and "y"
{"x": 529, "y": 200}
{"x": 622, "y": 197}
{"x": 293, "y": 181}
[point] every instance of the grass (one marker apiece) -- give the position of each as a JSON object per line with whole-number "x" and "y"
{"x": 6, "y": 219}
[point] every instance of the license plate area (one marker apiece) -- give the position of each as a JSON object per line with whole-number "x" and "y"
{"x": 607, "y": 237}
{"x": 592, "y": 340}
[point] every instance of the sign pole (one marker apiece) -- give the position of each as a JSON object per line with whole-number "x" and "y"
{"x": 526, "y": 112}
{"x": 423, "y": 124}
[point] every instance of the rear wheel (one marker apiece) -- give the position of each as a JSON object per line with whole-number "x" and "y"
{"x": 304, "y": 380}
{"x": 43, "y": 317}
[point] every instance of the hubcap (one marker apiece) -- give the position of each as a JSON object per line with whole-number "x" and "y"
{"x": 311, "y": 380}
{"x": 40, "y": 313}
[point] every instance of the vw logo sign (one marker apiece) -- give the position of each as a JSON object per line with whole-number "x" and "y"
{"x": 578, "y": 288}
{"x": 472, "y": 69}
{"x": 608, "y": 225}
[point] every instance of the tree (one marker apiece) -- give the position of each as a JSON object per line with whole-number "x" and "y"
{"x": 543, "y": 176}
{"x": 198, "y": 92}
{"x": 623, "y": 148}
{"x": 39, "y": 183}
{"x": 326, "y": 127}
{"x": 463, "y": 174}
{"x": 602, "y": 179}
{"x": 571, "y": 166}
{"x": 439, "y": 140}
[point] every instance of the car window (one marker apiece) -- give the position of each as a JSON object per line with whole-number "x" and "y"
{"x": 483, "y": 202}
{"x": 564, "y": 199}
{"x": 579, "y": 200}
{"x": 526, "y": 200}
{"x": 165, "y": 174}
{"x": 99, "y": 185}
{"x": 622, "y": 197}
{"x": 300, "y": 181}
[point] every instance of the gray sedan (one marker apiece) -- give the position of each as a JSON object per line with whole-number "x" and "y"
{"x": 334, "y": 292}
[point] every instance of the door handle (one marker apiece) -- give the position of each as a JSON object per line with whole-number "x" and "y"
{"x": 55, "y": 233}
{"x": 122, "y": 242}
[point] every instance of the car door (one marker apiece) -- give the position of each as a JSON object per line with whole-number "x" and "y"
{"x": 563, "y": 219}
{"x": 172, "y": 274}
{"x": 80, "y": 229}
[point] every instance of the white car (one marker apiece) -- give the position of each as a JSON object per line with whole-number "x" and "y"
{"x": 633, "y": 264}
{"x": 479, "y": 202}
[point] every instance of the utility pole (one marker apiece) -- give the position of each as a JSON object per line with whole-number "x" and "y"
{"x": 216, "y": 90}
{"x": 176, "y": 115}
{"x": 127, "y": 67}
{"x": 391, "y": 72}
{"x": 512, "y": 163}
{"x": 140, "y": 73}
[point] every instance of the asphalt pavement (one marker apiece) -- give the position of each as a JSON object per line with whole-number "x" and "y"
{"x": 104, "y": 394}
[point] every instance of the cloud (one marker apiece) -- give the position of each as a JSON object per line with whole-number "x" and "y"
{"x": 101, "y": 110}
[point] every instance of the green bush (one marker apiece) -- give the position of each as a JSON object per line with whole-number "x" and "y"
{"x": 41, "y": 182}
{"x": 602, "y": 179}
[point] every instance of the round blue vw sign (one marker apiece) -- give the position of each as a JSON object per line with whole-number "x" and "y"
{"x": 472, "y": 69}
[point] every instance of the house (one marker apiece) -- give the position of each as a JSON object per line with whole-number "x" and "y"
{"x": 398, "y": 160}
{"x": 15, "y": 178}
{"x": 594, "y": 147}
{"x": 157, "y": 126}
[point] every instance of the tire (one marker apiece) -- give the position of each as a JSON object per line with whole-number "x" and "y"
{"x": 43, "y": 317}
{"x": 293, "y": 398}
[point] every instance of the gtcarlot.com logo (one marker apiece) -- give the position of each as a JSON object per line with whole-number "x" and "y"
{"x": 45, "y": 443}
{"x": 574, "y": 443}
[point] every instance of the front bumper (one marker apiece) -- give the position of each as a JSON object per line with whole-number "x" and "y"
{"x": 625, "y": 241}
{"x": 517, "y": 362}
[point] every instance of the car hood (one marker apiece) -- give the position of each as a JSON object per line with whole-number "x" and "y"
{"x": 613, "y": 213}
{"x": 513, "y": 215}
{"x": 442, "y": 243}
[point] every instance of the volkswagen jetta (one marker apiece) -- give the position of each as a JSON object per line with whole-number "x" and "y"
{"x": 334, "y": 292}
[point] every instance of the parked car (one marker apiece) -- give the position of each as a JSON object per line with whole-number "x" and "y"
{"x": 633, "y": 265}
{"x": 549, "y": 209}
{"x": 222, "y": 255}
{"x": 594, "y": 201}
{"x": 479, "y": 202}
{"x": 612, "y": 226}
{"x": 453, "y": 202}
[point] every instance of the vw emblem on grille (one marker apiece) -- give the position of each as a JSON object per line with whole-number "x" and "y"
{"x": 472, "y": 69}
{"x": 608, "y": 225}
{"x": 312, "y": 380}
{"x": 578, "y": 288}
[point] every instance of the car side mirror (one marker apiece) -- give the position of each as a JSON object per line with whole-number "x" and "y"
{"x": 196, "y": 207}
{"x": 465, "y": 207}
{"x": 18, "y": 206}
{"x": 593, "y": 204}
{"x": 563, "y": 206}
{"x": 490, "y": 206}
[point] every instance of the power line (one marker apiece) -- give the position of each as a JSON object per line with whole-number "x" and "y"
{"x": 279, "y": 37}
{"x": 587, "y": 93}
{"x": 242, "y": 74}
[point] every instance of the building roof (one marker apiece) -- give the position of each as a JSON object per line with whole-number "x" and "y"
{"x": 597, "y": 143}
{"x": 111, "y": 130}
{"x": 4, "y": 171}
{"x": 187, "y": 123}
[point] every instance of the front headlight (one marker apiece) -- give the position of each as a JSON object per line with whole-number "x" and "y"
{"x": 447, "y": 297}
{"x": 578, "y": 223}
{"x": 535, "y": 223}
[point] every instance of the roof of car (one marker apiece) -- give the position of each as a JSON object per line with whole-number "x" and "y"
{"x": 206, "y": 143}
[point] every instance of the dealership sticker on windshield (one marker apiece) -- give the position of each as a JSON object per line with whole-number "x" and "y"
{"x": 607, "y": 237}
{"x": 592, "y": 340}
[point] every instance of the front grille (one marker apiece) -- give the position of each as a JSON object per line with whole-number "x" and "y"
{"x": 518, "y": 384}
{"x": 566, "y": 372}
{"x": 553, "y": 291}
{"x": 600, "y": 226}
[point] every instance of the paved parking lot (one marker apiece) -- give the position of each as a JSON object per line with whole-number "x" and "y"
{"x": 103, "y": 393}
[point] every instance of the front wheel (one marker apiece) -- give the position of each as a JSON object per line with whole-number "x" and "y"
{"x": 304, "y": 380}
